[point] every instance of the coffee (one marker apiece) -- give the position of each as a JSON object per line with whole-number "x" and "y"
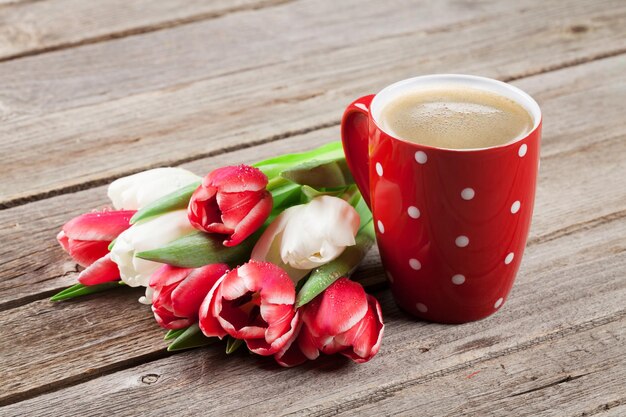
{"x": 456, "y": 118}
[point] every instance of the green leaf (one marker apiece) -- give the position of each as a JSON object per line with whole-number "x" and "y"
{"x": 343, "y": 266}
{"x": 111, "y": 244}
{"x": 176, "y": 200}
{"x": 286, "y": 196}
{"x": 327, "y": 173}
{"x": 173, "y": 334}
{"x": 79, "y": 290}
{"x": 198, "y": 249}
{"x": 272, "y": 167}
{"x": 232, "y": 344}
{"x": 192, "y": 337}
{"x": 364, "y": 212}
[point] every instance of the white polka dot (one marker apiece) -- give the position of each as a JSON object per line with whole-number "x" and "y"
{"x": 415, "y": 264}
{"x": 462, "y": 241}
{"x": 458, "y": 279}
{"x": 467, "y": 193}
{"x": 414, "y": 212}
{"x": 390, "y": 277}
{"x": 498, "y": 303}
{"x": 515, "y": 207}
{"x": 509, "y": 258}
{"x": 421, "y": 157}
{"x": 381, "y": 227}
{"x": 522, "y": 150}
{"x": 379, "y": 169}
{"x": 421, "y": 307}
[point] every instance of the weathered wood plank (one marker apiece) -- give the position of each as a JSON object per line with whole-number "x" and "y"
{"x": 303, "y": 87}
{"x": 28, "y": 28}
{"x": 580, "y": 373}
{"x": 571, "y": 191}
{"x": 559, "y": 294}
{"x": 216, "y": 48}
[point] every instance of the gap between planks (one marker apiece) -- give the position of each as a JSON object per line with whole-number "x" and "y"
{"x": 375, "y": 285}
{"x": 385, "y": 392}
{"x": 366, "y": 398}
{"x": 140, "y": 30}
{"x": 562, "y": 36}
{"x": 87, "y": 376}
{"x": 274, "y": 138}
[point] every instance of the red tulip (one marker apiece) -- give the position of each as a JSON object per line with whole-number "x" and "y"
{"x": 178, "y": 293}
{"x": 343, "y": 319}
{"x": 255, "y": 303}
{"x": 87, "y": 237}
{"x": 232, "y": 201}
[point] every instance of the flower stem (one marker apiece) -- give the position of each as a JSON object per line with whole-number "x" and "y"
{"x": 276, "y": 182}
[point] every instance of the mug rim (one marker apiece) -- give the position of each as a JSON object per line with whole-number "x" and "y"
{"x": 472, "y": 81}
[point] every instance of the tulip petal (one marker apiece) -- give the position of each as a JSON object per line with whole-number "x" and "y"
{"x": 235, "y": 206}
{"x": 63, "y": 241}
{"x": 208, "y": 322}
{"x": 86, "y": 252}
{"x": 252, "y": 221}
{"x": 104, "y": 225}
{"x": 233, "y": 179}
{"x": 168, "y": 320}
{"x": 234, "y": 286}
{"x": 188, "y": 295}
{"x": 307, "y": 344}
{"x": 101, "y": 271}
{"x": 136, "y": 191}
{"x": 291, "y": 354}
{"x": 145, "y": 236}
{"x": 336, "y": 310}
{"x": 318, "y": 232}
{"x": 168, "y": 275}
{"x": 271, "y": 281}
{"x": 366, "y": 337}
{"x": 261, "y": 347}
{"x": 278, "y": 317}
{"x": 203, "y": 209}
{"x": 267, "y": 248}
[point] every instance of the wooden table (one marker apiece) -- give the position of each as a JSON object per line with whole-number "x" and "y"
{"x": 91, "y": 91}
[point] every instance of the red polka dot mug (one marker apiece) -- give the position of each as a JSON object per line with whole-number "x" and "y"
{"x": 451, "y": 224}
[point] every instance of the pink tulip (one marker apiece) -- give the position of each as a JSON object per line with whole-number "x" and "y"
{"x": 255, "y": 303}
{"x": 178, "y": 293}
{"x": 232, "y": 201}
{"x": 87, "y": 237}
{"x": 343, "y": 319}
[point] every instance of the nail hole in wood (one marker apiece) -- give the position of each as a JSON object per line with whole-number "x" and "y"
{"x": 579, "y": 29}
{"x": 150, "y": 379}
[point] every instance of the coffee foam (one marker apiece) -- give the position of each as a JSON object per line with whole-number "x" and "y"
{"x": 455, "y": 117}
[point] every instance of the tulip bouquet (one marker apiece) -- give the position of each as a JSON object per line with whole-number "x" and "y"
{"x": 259, "y": 255}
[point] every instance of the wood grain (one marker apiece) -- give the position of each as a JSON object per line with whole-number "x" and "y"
{"x": 218, "y": 48}
{"x": 580, "y": 374}
{"x": 557, "y": 295}
{"x": 29, "y": 28}
{"x": 570, "y": 193}
{"x": 91, "y": 92}
{"x": 305, "y": 87}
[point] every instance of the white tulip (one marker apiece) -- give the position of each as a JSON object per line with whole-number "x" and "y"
{"x": 137, "y": 191}
{"x": 147, "y": 235}
{"x": 306, "y": 236}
